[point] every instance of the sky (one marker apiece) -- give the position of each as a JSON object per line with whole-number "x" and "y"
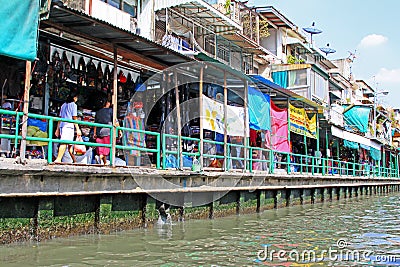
{"x": 369, "y": 28}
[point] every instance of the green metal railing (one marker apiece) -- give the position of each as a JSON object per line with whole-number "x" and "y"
{"x": 167, "y": 145}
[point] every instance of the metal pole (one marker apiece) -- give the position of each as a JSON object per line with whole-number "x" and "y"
{"x": 225, "y": 123}
{"x": 201, "y": 145}
{"x": 178, "y": 111}
{"x": 25, "y": 110}
{"x": 246, "y": 124}
{"x": 374, "y": 124}
{"x": 114, "y": 102}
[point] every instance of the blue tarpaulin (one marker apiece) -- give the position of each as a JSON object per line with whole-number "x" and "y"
{"x": 280, "y": 78}
{"x": 357, "y": 117}
{"x": 375, "y": 153}
{"x": 19, "y": 22}
{"x": 259, "y": 110}
{"x": 350, "y": 144}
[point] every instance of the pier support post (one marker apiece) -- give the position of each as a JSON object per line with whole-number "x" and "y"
{"x": 301, "y": 196}
{"x": 238, "y": 203}
{"x": 275, "y": 196}
{"x": 211, "y": 211}
{"x": 97, "y": 216}
{"x": 350, "y": 192}
{"x": 258, "y": 194}
{"x": 181, "y": 214}
{"x": 322, "y": 195}
{"x": 345, "y": 189}
{"x": 35, "y": 222}
{"x": 312, "y": 193}
{"x": 374, "y": 189}
{"x": 356, "y": 192}
{"x": 338, "y": 193}
{"x": 330, "y": 191}
{"x": 287, "y": 197}
{"x": 143, "y": 211}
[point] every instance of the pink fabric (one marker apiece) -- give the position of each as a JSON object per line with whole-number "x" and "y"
{"x": 277, "y": 139}
{"x": 103, "y": 150}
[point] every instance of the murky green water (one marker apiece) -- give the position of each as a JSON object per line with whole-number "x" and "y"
{"x": 370, "y": 224}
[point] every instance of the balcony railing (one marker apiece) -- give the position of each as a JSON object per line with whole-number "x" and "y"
{"x": 258, "y": 160}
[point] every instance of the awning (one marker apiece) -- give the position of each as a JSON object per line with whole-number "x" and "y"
{"x": 342, "y": 134}
{"x": 93, "y": 36}
{"x": 201, "y": 12}
{"x": 265, "y": 86}
{"x": 286, "y": 67}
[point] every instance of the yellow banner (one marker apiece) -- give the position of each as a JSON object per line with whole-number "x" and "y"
{"x": 312, "y": 126}
{"x": 301, "y": 124}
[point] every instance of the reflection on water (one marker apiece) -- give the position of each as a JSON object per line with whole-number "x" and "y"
{"x": 370, "y": 224}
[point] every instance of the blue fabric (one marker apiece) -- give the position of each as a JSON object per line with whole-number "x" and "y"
{"x": 357, "y": 117}
{"x": 350, "y": 144}
{"x": 259, "y": 110}
{"x": 19, "y": 22}
{"x": 365, "y": 147}
{"x": 42, "y": 125}
{"x": 375, "y": 153}
{"x": 280, "y": 78}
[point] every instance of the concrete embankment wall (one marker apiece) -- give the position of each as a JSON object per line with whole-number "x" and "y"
{"x": 40, "y": 201}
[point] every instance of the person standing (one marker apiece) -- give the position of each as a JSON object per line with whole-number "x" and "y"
{"x": 65, "y": 130}
{"x": 102, "y": 134}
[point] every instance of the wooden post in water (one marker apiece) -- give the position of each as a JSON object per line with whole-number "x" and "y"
{"x": 258, "y": 193}
{"x": 322, "y": 194}
{"x": 275, "y": 196}
{"x": 35, "y": 221}
{"x": 181, "y": 214}
{"x": 287, "y": 197}
{"x": 143, "y": 210}
{"x": 238, "y": 203}
{"x": 338, "y": 193}
{"x": 97, "y": 216}
{"x": 211, "y": 210}
{"x": 312, "y": 193}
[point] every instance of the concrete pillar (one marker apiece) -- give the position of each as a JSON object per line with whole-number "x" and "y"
{"x": 301, "y": 196}
{"x": 312, "y": 193}
{"x": 258, "y": 193}
{"x": 238, "y": 203}
{"x": 143, "y": 211}
{"x": 35, "y": 222}
{"x": 181, "y": 214}
{"x": 211, "y": 210}
{"x": 97, "y": 216}
{"x": 275, "y": 196}
{"x": 287, "y": 197}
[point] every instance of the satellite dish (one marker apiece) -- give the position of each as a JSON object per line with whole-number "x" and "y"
{"x": 312, "y": 30}
{"x": 327, "y": 50}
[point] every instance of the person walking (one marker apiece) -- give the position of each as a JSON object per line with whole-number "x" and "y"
{"x": 65, "y": 130}
{"x": 102, "y": 134}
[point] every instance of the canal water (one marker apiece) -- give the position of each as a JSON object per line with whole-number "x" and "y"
{"x": 351, "y": 232}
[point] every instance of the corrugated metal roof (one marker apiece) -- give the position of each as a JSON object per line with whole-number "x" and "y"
{"x": 103, "y": 35}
